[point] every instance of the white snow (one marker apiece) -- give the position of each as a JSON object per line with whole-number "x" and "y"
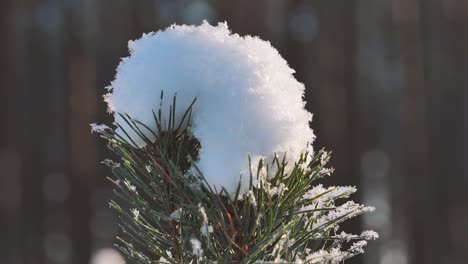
{"x": 322, "y": 195}
{"x": 110, "y": 163}
{"x": 205, "y": 229}
{"x": 130, "y": 186}
{"x": 370, "y": 235}
{"x": 203, "y": 214}
{"x": 136, "y": 213}
{"x": 98, "y": 128}
{"x": 176, "y": 214}
{"x": 252, "y": 199}
{"x": 197, "y": 249}
{"x": 248, "y": 101}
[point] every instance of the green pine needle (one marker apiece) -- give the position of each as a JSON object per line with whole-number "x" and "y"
{"x": 166, "y": 206}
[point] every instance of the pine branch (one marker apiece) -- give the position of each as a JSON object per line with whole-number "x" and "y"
{"x": 170, "y": 213}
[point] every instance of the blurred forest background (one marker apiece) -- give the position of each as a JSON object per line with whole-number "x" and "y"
{"x": 386, "y": 81}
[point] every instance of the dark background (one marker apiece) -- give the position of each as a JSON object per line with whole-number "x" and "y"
{"x": 386, "y": 80}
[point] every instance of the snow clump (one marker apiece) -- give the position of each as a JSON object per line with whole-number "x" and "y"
{"x": 248, "y": 101}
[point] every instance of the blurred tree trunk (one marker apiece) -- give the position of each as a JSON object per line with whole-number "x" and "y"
{"x": 10, "y": 188}
{"x": 338, "y": 102}
{"x": 431, "y": 39}
{"x": 454, "y": 102}
{"x": 302, "y": 54}
{"x": 49, "y": 29}
{"x": 414, "y": 161}
{"x": 339, "y": 126}
{"x": 461, "y": 218}
{"x": 4, "y": 8}
{"x": 376, "y": 108}
{"x": 4, "y": 214}
{"x": 30, "y": 101}
{"x": 441, "y": 87}
{"x": 81, "y": 69}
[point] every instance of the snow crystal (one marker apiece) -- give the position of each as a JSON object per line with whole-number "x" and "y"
{"x": 176, "y": 214}
{"x": 95, "y": 128}
{"x": 130, "y": 186}
{"x": 197, "y": 249}
{"x": 110, "y": 163}
{"x": 203, "y": 214}
{"x": 333, "y": 256}
{"x": 148, "y": 168}
{"x": 252, "y": 199}
{"x": 323, "y": 195}
{"x": 347, "y": 237}
{"x": 163, "y": 260}
{"x": 357, "y": 247}
{"x": 326, "y": 171}
{"x": 248, "y": 101}
{"x": 347, "y": 210}
{"x": 369, "y": 235}
{"x": 206, "y": 229}
{"x": 136, "y": 213}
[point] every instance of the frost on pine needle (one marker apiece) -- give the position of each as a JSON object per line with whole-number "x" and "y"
{"x": 148, "y": 168}
{"x": 321, "y": 196}
{"x": 332, "y": 256}
{"x": 243, "y": 87}
{"x": 337, "y": 255}
{"x": 369, "y": 235}
{"x": 345, "y": 211}
{"x": 283, "y": 216}
{"x": 95, "y": 128}
{"x": 136, "y": 213}
{"x": 110, "y": 163}
{"x": 130, "y": 186}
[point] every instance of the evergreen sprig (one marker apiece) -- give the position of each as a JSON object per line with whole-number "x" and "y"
{"x": 170, "y": 214}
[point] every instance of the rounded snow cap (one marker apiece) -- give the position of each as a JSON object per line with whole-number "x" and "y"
{"x": 248, "y": 101}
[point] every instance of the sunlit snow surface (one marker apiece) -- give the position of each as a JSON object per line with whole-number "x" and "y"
{"x": 248, "y": 101}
